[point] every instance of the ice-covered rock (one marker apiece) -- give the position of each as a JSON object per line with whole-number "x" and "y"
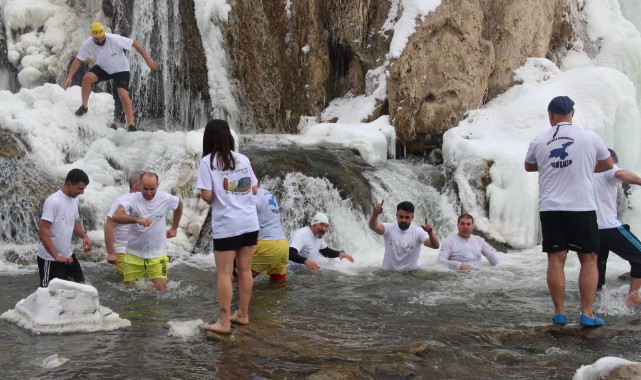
{"x": 64, "y": 307}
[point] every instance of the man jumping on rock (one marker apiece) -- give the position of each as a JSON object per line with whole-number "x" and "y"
{"x": 111, "y": 63}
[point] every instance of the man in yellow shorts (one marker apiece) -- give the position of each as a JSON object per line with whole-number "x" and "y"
{"x": 145, "y": 212}
{"x": 116, "y": 234}
{"x": 272, "y": 250}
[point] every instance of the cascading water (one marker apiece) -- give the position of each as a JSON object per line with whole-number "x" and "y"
{"x": 163, "y": 99}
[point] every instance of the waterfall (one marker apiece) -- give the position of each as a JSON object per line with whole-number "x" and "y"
{"x": 163, "y": 99}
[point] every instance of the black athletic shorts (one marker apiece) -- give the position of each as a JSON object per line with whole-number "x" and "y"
{"x": 569, "y": 230}
{"x": 234, "y": 243}
{"x": 52, "y": 269}
{"x": 121, "y": 79}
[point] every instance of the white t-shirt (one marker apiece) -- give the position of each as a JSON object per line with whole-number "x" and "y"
{"x": 110, "y": 56}
{"x": 605, "y": 190}
{"x": 456, "y": 250}
{"x": 233, "y": 208}
{"x": 148, "y": 242}
{"x": 268, "y": 216}
{"x": 402, "y": 248}
{"x": 566, "y": 165}
{"x": 307, "y": 244}
{"x": 121, "y": 231}
{"x": 62, "y": 212}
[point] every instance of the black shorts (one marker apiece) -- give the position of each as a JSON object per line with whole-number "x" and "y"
{"x": 121, "y": 79}
{"x": 52, "y": 269}
{"x": 234, "y": 243}
{"x": 569, "y": 230}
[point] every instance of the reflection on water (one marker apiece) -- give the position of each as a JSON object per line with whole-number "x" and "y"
{"x": 436, "y": 324}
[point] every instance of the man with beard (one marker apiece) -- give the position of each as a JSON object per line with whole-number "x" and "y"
{"x": 111, "y": 63}
{"x": 462, "y": 251}
{"x": 402, "y": 240}
{"x": 59, "y": 222}
{"x": 307, "y": 242}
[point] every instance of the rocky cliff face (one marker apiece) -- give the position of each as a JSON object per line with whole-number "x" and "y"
{"x": 293, "y": 62}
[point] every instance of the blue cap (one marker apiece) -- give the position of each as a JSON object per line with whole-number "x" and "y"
{"x": 561, "y": 105}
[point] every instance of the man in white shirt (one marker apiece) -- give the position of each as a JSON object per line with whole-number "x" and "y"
{"x": 272, "y": 250}
{"x": 59, "y": 222}
{"x": 147, "y": 240}
{"x": 115, "y": 233}
{"x": 613, "y": 235}
{"x": 307, "y": 242}
{"x": 111, "y": 63}
{"x": 462, "y": 250}
{"x": 566, "y": 156}
{"x": 402, "y": 240}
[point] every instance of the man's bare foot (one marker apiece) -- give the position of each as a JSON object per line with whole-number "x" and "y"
{"x": 634, "y": 301}
{"x": 237, "y": 319}
{"x": 217, "y": 328}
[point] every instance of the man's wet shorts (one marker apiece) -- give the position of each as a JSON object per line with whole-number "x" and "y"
{"x": 120, "y": 263}
{"x": 135, "y": 268}
{"x": 270, "y": 257}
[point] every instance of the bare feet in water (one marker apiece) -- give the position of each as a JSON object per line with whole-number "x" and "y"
{"x": 217, "y": 328}
{"x": 239, "y": 320}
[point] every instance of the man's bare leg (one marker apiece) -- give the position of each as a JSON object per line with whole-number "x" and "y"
{"x": 556, "y": 279}
{"x": 87, "y": 82}
{"x": 160, "y": 284}
{"x": 588, "y": 280}
{"x": 634, "y": 299}
{"x": 127, "y": 105}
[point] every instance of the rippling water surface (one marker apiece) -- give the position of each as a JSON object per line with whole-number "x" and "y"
{"x": 492, "y": 323}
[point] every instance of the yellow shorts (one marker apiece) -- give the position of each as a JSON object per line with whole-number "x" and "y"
{"x": 270, "y": 257}
{"x": 135, "y": 268}
{"x": 120, "y": 263}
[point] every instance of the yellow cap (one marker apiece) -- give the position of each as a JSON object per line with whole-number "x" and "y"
{"x": 97, "y": 31}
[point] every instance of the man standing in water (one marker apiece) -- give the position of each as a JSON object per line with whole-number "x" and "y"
{"x": 147, "y": 239}
{"x": 59, "y": 222}
{"x": 306, "y": 242}
{"x": 462, "y": 251}
{"x": 402, "y": 240}
{"x": 614, "y": 236}
{"x": 116, "y": 235}
{"x": 111, "y": 63}
{"x": 566, "y": 156}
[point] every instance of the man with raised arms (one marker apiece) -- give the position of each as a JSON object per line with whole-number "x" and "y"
{"x": 613, "y": 235}
{"x": 146, "y": 211}
{"x": 307, "y": 242}
{"x": 566, "y": 156}
{"x": 402, "y": 240}
{"x": 58, "y": 224}
{"x": 462, "y": 250}
{"x": 116, "y": 234}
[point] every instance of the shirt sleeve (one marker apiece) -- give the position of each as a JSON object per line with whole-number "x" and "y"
{"x": 530, "y": 156}
{"x": 602, "y": 150}
{"x": 423, "y": 236}
{"x": 173, "y": 202}
{"x": 490, "y": 253}
{"x": 123, "y": 42}
{"x": 444, "y": 255}
{"x": 49, "y": 210}
{"x": 83, "y": 52}
{"x": 204, "y": 181}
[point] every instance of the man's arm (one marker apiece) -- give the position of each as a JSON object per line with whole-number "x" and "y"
{"x": 531, "y": 167}
{"x": 444, "y": 258}
{"x": 75, "y": 65}
{"x": 490, "y": 253}
{"x": 374, "y": 225}
{"x": 45, "y": 238}
{"x": 603, "y": 165}
{"x": 332, "y": 254}
{"x": 110, "y": 224}
{"x": 297, "y": 258}
{"x": 432, "y": 240}
{"x": 121, "y": 217}
{"x": 143, "y": 53}
{"x": 80, "y": 232}
{"x": 628, "y": 177}
{"x": 178, "y": 212}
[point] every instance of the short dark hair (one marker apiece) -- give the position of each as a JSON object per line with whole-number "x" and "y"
{"x": 405, "y": 206}
{"x": 614, "y": 156}
{"x": 76, "y": 176}
{"x": 465, "y": 216}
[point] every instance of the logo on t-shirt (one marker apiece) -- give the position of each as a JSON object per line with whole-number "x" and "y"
{"x": 240, "y": 186}
{"x": 561, "y": 153}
